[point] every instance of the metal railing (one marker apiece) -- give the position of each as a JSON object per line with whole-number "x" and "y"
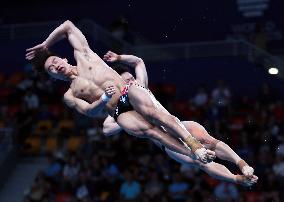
{"x": 26, "y": 31}
{"x": 154, "y": 52}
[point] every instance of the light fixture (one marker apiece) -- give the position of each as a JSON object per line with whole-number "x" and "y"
{"x": 273, "y": 70}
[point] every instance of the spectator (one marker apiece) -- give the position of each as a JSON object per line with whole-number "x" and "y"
{"x": 201, "y": 98}
{"x": 178, "y": 188}
{"x": 83, "y": 190}
{"x": 221, "y": 95}
{"x": 270, "y": 186}
{"x": 71, "y": 169}
{"x": 53, "y": 169}
{"x": 226, "y": 192}
{"x": 278, "y": 167}
{"x": 31, "y": 99}
{"x": 130, "y": 188}
{"x": 154, "y": 187}
{"x": 266, "y": 94}
{"x": 39, "y": 188}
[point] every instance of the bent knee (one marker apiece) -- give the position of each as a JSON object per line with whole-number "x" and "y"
{"x": 194, "y": 127}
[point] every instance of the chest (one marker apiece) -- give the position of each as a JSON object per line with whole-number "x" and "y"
{"x": 84, "y": 89}
{"x": 91, "y": 70}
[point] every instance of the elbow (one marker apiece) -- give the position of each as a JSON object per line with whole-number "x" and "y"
{"x": 68, "y": 25}
{"x": 105, "y": 132}
{"x": 139, "y": 61}
{"x": 69, "y": 102}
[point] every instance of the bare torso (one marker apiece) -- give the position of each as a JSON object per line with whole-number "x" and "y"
{"x": 98, "y": 76}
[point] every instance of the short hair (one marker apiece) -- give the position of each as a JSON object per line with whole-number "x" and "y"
{"x": 120, "y": 68}
{"x": 39, "y": 60}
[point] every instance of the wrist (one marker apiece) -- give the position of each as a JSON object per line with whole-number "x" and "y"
{"x": 118, "y": 57}
{"x": 105, "y": 98}
{"x": 45, "y": 46}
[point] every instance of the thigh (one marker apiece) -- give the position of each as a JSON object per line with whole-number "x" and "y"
{"x": 141, "y": 99}
{"x": 133, "y": 123}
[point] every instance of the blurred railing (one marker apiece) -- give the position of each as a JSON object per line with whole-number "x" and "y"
{"x": 26, "y": 31}
{"x": 210, "y": 49}
{"x": 151, "y": 52}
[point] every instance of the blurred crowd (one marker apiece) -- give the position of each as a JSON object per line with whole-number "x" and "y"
{"x": 84, "y": 165}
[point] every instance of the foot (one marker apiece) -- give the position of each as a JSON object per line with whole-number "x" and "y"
{"x": 246, "y": 169}
{"x": 198, "y": 149}
{"x": 204, "y": 155}
{"x": 245, "y": 181}
{"x": 201, "y": 155}
{"x": 210, "y": 155}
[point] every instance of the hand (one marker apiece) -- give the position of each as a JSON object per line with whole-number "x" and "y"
{"x": 30, "y": 52}
{"x": 111, "y": 57}
{"x": 109, "y": 91}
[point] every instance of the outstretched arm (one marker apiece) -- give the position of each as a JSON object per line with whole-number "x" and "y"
{"x": 73, "y": 34}
{"x": 86, "y": 108}
{"x": 110, "y": 127}
{"x": 65, "y": 30}
{"x": 133, "y": 61}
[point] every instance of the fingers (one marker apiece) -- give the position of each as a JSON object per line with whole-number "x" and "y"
{"x": 106, "y": 57}
{"x": 110, "y": 56}
{"x": 110, "y": 90}
{"x": 31, "y": 49}
{"x": 110, "y": 87}
{"x": 111, "y": 53}
{"x": 30, "y": 52}
{"x": 34, "y": 48}
{"x": 30, "y": 55}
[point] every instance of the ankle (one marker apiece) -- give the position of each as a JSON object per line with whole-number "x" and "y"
{"x": 241, "y": 163}
{"x": 239, "y": 178}
{"x": 193, "y": 143}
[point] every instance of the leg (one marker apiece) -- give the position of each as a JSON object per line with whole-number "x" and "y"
{"x": 134, "y": 124}
{"x": 144, "y": 104}
{"x": 222, "y": 150}
{"x": 220, "y": 172}
{"x": 213, "y": 169}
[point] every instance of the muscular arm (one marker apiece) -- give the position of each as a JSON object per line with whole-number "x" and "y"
{"x": 73, "y": 34}
{"x": 110, "y": 127}
{"x": 82, "y": 106}
{"x": 140, "y": 68}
